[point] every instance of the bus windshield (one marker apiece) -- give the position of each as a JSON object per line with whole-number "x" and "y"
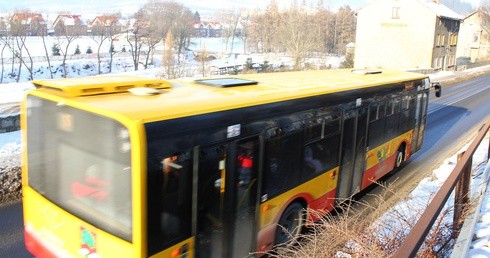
{"x": 82, "y": 163}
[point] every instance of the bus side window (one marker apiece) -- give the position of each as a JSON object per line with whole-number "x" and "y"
{"x": 281, "y": 169}
{"x": 169, "y": 199}
{"x": 320, "y": 156}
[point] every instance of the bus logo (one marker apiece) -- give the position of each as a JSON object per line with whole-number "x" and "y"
{"x": 87, "y": 248}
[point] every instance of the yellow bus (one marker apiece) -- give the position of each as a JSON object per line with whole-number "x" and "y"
{"x": 122, "y": 166}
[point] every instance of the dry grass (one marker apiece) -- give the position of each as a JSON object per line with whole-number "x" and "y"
{"x": 10, "y": 184}
{"x": 370, "y": 230}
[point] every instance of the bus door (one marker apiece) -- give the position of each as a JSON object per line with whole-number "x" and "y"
{"x": 420, "y": 119}
{"x": 226, "y": 199}
{"x": 353, "y": 155}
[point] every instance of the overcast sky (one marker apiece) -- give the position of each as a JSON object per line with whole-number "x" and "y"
{"x": 131, "y": 6}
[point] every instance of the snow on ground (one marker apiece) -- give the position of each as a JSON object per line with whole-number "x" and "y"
{"x": 226, "y": 54}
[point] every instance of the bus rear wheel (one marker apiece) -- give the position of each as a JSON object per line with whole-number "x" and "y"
{"x": 290, "y": 225}
{"x": 400, "y": 157}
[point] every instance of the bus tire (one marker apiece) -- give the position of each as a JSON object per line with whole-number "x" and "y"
{"x": 290, "y": 224}
{"x": 400, "y": 157}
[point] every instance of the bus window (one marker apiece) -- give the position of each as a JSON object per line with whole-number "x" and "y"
{"x": 320, "y": 156}
{"x": 313, "y": 133}
{"x": 373, "y": 112}
{"x": 381, "y": 110}
{"x": 332, "y": 126}
{"x": 406, "y": 102}
{"x": 281, "y": 166}
{"x": 396, "y": 105}
{"x": 169, "y": 200}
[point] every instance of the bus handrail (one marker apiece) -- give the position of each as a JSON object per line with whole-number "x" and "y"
{"x": 459, "y": 178}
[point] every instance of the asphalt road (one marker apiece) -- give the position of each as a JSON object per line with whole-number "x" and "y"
{"x": 452, "y": 120}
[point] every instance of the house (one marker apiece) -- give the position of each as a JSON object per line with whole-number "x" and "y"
{"x": 105, "y": 23}
{"x": 406, "y": 34}
{"x": 69, "y": 25}
{"x": 206, "y": 29}
{"x": 474, "y": 39}
{"x": 28, "y": 24}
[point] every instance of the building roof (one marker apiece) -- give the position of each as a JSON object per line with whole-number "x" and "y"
{"x": 28, "y": 18}
{"x": 70, "y": 20}
{"x": 105, "y": 20}
{"x": 442, "y": 10}
{"x": 479, "y": 10}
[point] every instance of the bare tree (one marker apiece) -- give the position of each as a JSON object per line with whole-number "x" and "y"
{"x": 134, "y": 37}
{"x": 42, "y": 33}
{"x": 323, "y": 18}
{"x": 3, "y": 41}
{"x": 202, "y": 58}
{"x": 182, "y": 28}
{"x": 245, "y": 24}
{"x": 99, "y": 35}
{"x": 19, "y": 33}
{"x": 230, "y": 18}
{"x": 271, "y": 21}
{"x": 344, "y": 28}
{"x": 168, "y": 16}
{"x": 67, "y": 35}
{"x": 262, "y": 31}
{"x": 296, "y": 37}
{"x": 155, "y": 28}
{"x": 171, "y": 68}
{"x": 168, "y": 61}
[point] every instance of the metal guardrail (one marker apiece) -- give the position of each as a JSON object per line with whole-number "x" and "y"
{"x": 465, "y": 238}
{"x": 460, "y": 176}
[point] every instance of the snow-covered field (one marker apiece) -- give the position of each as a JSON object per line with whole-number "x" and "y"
{"x": 226, "y": 54}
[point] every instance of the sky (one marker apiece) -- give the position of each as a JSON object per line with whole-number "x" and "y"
{"x": 127, "y": 7}
{"x": 133, "y": 5}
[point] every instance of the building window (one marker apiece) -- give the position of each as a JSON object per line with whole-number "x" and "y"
{"x": 454, "y": 39}
{"x": 395, "y": 13}
{"x": 476, "y": 37}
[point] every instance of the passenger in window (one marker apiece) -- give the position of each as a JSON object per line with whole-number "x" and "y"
{"x": 311, "y": 162}
{"x": 245, "y": 162}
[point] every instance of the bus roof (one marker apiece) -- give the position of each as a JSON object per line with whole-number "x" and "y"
{"x": 185, "y": 97}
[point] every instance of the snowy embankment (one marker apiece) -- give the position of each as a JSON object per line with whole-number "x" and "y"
{"x": 10, "y": 183}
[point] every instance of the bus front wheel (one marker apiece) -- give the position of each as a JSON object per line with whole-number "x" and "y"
{"x": 290, "y": 225}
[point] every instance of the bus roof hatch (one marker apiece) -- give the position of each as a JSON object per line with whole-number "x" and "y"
{"x": 366, "y": 71}
{"x": 226, "y": 82}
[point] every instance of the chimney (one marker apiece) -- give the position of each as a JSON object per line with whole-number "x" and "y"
{"x": 436, "y": 1}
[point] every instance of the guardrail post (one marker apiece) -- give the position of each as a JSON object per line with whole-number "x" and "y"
{"x": 462, "y": 195}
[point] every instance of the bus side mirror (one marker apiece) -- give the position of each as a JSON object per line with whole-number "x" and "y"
{"x": 437, "y": 89}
